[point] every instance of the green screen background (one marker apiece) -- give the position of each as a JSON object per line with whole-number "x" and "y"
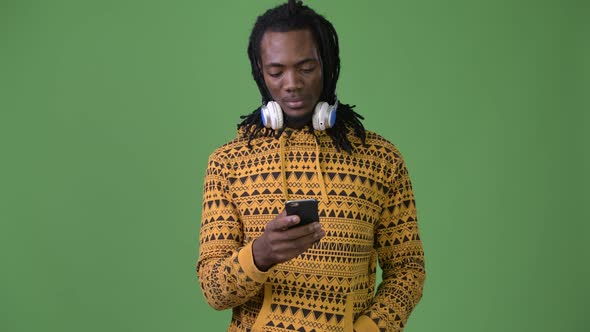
{"x": 109, "y": 110}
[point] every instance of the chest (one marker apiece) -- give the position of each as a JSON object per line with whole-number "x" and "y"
{"x": 354, "y": 187}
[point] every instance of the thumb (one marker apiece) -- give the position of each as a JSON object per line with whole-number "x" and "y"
{"x": 282, "y": 222}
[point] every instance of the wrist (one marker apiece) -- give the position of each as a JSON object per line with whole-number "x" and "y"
{"x": 259, "y": 255}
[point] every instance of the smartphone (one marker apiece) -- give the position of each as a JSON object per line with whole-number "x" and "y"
{"x": 306, "y": 209}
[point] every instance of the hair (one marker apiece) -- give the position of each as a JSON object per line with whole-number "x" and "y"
{"x": 290, "y": 16}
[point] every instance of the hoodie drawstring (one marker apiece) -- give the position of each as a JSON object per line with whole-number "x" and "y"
{"x": 282, "y": 142}
{"x": 318, "y": 168}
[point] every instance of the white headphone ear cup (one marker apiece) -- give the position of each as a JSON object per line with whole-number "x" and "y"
{"x": 264, "y": 114}
{"x": 320, "y": 118}
{"x": 276, "y": 115}
{"x": 272, "y": 115}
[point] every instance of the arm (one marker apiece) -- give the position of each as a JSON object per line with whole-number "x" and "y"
{"x": 226, "y": 269}
{"x": 230, "y": 272}
{"x": 401, "y": 257}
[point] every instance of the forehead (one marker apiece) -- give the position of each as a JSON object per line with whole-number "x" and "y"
{"x": 287, "y": 47}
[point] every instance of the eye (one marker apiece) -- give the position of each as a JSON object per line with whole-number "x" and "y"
{"x": 308, "y": 70}
{"x": 278, "y": 74}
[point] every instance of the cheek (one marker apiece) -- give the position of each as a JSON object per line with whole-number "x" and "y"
{"x": 272, "y": 85}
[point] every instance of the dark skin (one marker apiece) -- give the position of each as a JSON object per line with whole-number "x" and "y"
{"x": 281, "y": 241}
{"x": 293, "y": 75}
{"x": 292, "y": 71}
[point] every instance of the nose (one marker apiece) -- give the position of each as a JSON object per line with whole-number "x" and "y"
{"x": 292, "y": 81}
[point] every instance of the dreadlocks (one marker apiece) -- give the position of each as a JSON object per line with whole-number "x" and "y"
{"x": 296, "y": 16}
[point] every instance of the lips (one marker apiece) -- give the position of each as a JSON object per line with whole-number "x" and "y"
{"x": 294, "y": 103}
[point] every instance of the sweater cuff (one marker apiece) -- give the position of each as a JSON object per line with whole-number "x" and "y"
{"x": 365, "y": 324}
{"x": 246, "y": 260}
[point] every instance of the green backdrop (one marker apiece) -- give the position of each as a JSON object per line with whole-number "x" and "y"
{"x": 109, "y": 110}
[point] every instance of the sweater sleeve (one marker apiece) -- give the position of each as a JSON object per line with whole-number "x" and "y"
{"x": 226, "y": 269}
{"x": 401, "y": 258}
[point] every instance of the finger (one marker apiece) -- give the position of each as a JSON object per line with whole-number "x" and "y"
{"x": 294, "y": 234}
{"x": 305, "y": 230}
{"x": 290, "y": 248}
{"x": 285, "y": 250}
{"x": 317, "y": 234}
{"x": 282, "y": 222}
{"x": 300, "y": 233}
{"x": 285, "y": 222}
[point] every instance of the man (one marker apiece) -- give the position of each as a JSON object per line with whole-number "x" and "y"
{"x": 302, "y": 143}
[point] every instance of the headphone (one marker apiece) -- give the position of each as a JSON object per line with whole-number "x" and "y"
{"x": 324, "y": 115}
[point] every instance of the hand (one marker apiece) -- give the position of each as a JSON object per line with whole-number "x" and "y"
{"x": 281, "y": 241}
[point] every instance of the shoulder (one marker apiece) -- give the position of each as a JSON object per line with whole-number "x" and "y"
{"x": 229, "y": 150}
{"x": 240, "y": 147}
{"x": 379, "y": 146}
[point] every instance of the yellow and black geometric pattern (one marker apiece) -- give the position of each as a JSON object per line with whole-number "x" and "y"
{"x": 367, "y": 210}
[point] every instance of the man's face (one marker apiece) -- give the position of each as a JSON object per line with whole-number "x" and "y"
{"x": 292, "y": 72}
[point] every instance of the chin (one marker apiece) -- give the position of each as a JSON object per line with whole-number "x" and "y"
{"x": 298, "y": 112}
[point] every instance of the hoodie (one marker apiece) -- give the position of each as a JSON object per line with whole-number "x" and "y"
{"x": 367, "y": 211}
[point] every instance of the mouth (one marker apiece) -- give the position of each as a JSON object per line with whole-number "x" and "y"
{"x": 294, "y": 104}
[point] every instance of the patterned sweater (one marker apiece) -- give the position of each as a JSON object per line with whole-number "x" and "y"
{"x": 367, "y": 210}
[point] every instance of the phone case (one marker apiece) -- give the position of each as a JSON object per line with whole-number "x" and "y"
{"x": 306, "y": 209}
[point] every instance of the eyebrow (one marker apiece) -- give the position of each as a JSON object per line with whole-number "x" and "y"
{"x": 276, "y": 64}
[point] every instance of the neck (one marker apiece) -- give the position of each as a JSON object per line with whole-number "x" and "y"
{"x": 297, "y": 122}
